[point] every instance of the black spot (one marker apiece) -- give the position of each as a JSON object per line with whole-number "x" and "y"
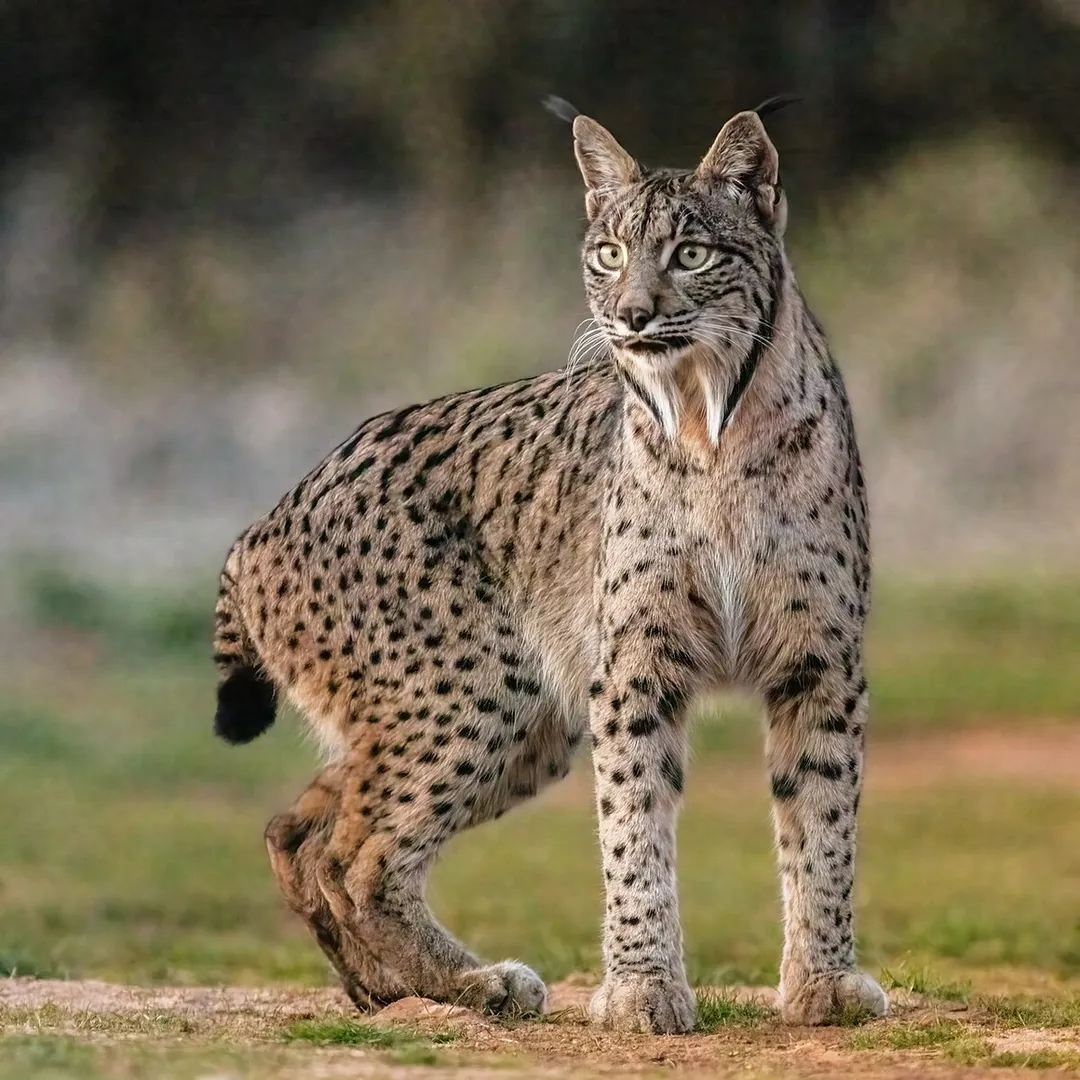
{"x": 834, "y": 722}
{"x": 671, "y": 701}
{"x": 672, "y": 771}
{"x": 830, "y": 770}
{"x": 800, "y": 680}
{"x": 679, "y": 656}
{"x": 643, "y": 725}
{"x": 784, "y": 787}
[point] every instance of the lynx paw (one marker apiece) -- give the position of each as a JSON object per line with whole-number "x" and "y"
{"x": 648, "y": 1003}
{"x": 506, "y": 989}
{"x": 827, "y": 998}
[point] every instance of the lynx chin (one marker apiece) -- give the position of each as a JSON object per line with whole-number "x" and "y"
{"x": 464, "y": 590}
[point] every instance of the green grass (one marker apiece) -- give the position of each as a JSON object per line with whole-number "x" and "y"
{"x": 957, "y": 1041}
{"x": 120, "y": 869}
{"x": 945, "y": 1033}
{"x": 48, "y": 1057}
{"x": 940, "y": 655}
{"x": 920, "y": 979}
{"x": 408, "y": 1047}
{"x": 51, "y": 1019}
{"x": 1015, "y": 1012}
{"x": 717, "y": 1009}
{"x": 71, "y": 1057}
{"x": 1033, "y": 1059}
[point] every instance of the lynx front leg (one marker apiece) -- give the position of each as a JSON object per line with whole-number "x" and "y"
{"x": 639, "y": 753}
{"x": 814, "y": 750}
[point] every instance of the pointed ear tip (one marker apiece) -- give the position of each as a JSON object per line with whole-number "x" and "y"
{"x": 749, "y": 117}
{"x": 587, "y": 130}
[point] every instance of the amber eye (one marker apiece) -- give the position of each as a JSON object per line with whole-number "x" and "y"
{"x": 611, "y": 256}
{"x": 691, "y": 256}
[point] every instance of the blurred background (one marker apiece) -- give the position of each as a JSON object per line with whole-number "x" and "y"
{"x": 230, "y": 230}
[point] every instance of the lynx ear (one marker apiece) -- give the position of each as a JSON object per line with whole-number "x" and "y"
{"x": 604, "y": 164}
{"x": 744, "y": 155}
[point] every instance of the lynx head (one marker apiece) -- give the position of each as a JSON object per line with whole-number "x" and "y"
{"x": 682, "y": 269}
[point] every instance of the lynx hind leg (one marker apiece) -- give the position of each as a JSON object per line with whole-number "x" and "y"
{"x": 814, "y": 749}
{"x": 296, "y": 843}
{"x": 389, "y": 829}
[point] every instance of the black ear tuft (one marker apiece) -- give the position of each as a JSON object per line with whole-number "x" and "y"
{"x": 561, "y": 108}
{"x": 776, "y": 102}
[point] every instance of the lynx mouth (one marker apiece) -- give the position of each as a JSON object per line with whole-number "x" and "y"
{"x": 657, "y": 347}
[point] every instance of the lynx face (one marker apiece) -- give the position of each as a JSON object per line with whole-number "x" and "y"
{"x": 683, "y": 266}
{"x": 674, "y": 263}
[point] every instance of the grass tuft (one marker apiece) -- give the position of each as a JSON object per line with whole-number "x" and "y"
{"x": 921, "y": 980}
{"x": 946, "y": 1038}
{"x": 940, "y": 1033}
{"x": 718, "y": 1009}
{"x": 406, "y": 1047}
{"x": 1015, "y": 1012}
{"x": 1034, "y": 1059}
{"x": 959, "y": 1042}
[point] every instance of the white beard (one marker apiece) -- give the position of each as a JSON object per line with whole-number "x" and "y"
{"x": 671, "y": 396}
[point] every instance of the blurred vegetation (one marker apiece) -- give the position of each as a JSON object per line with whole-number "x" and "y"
{"x": 195, "y": 108}
{"x": 159, "y": 159}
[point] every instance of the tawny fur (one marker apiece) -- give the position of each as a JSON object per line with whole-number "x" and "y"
{"x": 463, "y": 589}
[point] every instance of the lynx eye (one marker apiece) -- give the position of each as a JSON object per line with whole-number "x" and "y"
{"x": 691, "y": 256}
{"x": 610, "y": 255}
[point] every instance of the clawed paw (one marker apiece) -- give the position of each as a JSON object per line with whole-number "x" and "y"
{"x": 652, "y": 1004}
{"x": 505, "y": 989}
{"x": 833, "y": 996}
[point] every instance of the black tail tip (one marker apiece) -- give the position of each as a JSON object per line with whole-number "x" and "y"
{"x": 246, "y": 703}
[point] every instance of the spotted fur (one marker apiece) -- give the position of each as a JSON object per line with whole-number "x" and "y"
{"x": 464, "y": 589}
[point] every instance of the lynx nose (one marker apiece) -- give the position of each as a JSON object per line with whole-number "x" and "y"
{"x": 636, "y": 313}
